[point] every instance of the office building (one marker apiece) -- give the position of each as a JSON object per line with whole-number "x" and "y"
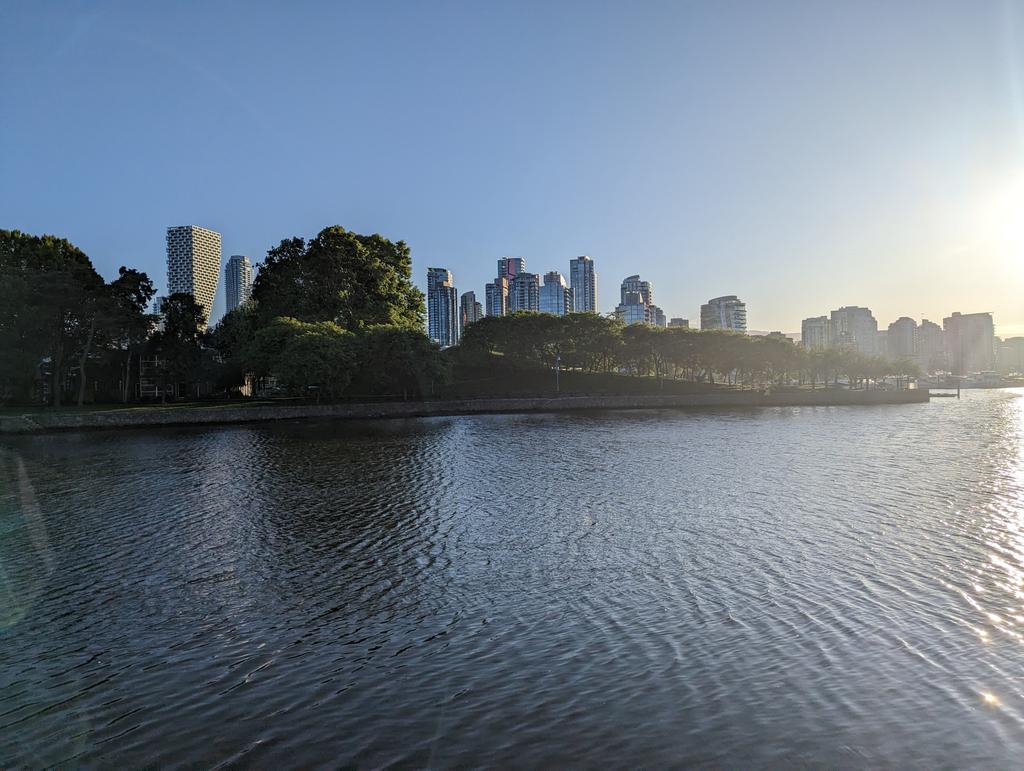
{"x": 556, "y": 296}
{"x": 679, "y": 323}
{"x": 902, "y": 339}
{"x": 469, "y": 310}
{"x": 970, "y": 342}
{"x": 193, "y": 264}
{"x": 726, "y": 312}
{"x": 854, "y": 328}
{"x": 815, "y": 333}
{"x": 583, "y": 280}
{"x": 496, "y": 297}
{"x": 524, "y": 293}
{"x": 442, "y": 308}
{"x": 237, "y": 281}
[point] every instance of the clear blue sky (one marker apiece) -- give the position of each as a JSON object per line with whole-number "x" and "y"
{"x": 801, "y": 155}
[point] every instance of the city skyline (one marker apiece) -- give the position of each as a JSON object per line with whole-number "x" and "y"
{"x": 824, "y": 331}
{"x": 645, "y": 157}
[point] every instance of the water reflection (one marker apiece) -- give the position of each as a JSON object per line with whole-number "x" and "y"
{"x": 827, "y": 585}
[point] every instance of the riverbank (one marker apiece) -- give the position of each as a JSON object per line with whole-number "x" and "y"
{"x": 136, "y": 417}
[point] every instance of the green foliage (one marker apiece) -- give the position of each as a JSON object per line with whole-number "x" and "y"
{"x": 584, "y": 340}
{"x": 304, "y": 355}
{"x": 47, "y": 304}
{"x": 398, "y": 361}
{"x": 233, "y": 339}
{"x": 353, "y": 280}
{"x": 591, "y": 343}
{"x": 179, "y": 344}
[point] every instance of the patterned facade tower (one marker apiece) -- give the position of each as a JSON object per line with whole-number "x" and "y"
{"x": 193, "y": 264}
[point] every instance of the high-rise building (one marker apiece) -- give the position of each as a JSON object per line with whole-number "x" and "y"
{"x": 496, "y": 297}
{"x": 237, "y": 281}
{"x": 469, "y": 310}
{"x": 583, "y": 279}
{"x": 882, "y": 343}
{"x": 193, "y": 264}
{"x": 931, "y": 347}
{"x": 679, "y": 323}
{"x": 726, "y": 312}
{"x": 510, "y": 267}
{"x": 632, "y": 285}
{"x": 524, "y": 293}
{"x": 635, "y": 301}
{"x": 815, "y": 334}
{"x": 555, "y": 296}
{"x": 442, "y": 308}
{"x": 854, "y": 328}
{"x": 657, "y": 316}
{"x": 633, "y": 313}
{"x": 970, "y": 342}
{"x": 902, "y": 338}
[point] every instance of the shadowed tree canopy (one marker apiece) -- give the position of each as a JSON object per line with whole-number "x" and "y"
{"x": 47, "y": 292}
{"x": 179, "y": 343}
{"x": 353, "y": 280}
{"x": 304, "y": 354}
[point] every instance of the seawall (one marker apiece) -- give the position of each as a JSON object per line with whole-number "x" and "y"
{"x": 220, "y": 413}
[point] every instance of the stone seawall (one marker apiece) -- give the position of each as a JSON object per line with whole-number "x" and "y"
{"x": 214, "y": 414}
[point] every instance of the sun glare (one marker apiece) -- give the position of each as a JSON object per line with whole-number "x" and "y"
{"x": 1000, "y": 227}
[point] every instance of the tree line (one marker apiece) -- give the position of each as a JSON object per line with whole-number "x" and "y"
{"x": 591, "y": 343}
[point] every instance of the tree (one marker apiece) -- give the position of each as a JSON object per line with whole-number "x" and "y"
{"x": 178, "y": 346}
{"x": 304, "y": 355}
{"x": 233, "y": 338}
{"x": 130, "y": 325}
{"x": 399, "y": 360}
{"x": 47, "y": 292}
{"x": 352, "y": 280}
{"x": 118, "y": 326}
{"x": 905, "y": 369}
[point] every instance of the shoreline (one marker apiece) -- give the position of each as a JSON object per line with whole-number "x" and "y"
{"x": 220, "y": 414}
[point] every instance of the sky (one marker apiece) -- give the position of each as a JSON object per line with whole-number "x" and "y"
{"x": 802, "y": 155}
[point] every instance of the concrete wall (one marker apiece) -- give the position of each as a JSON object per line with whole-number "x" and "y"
{"x": 171, "y": 416}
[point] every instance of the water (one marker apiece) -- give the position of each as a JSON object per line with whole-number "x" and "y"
{"x": 816, "y": 586}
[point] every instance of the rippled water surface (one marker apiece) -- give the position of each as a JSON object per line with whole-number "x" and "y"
{"x": 816, "y": 586}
